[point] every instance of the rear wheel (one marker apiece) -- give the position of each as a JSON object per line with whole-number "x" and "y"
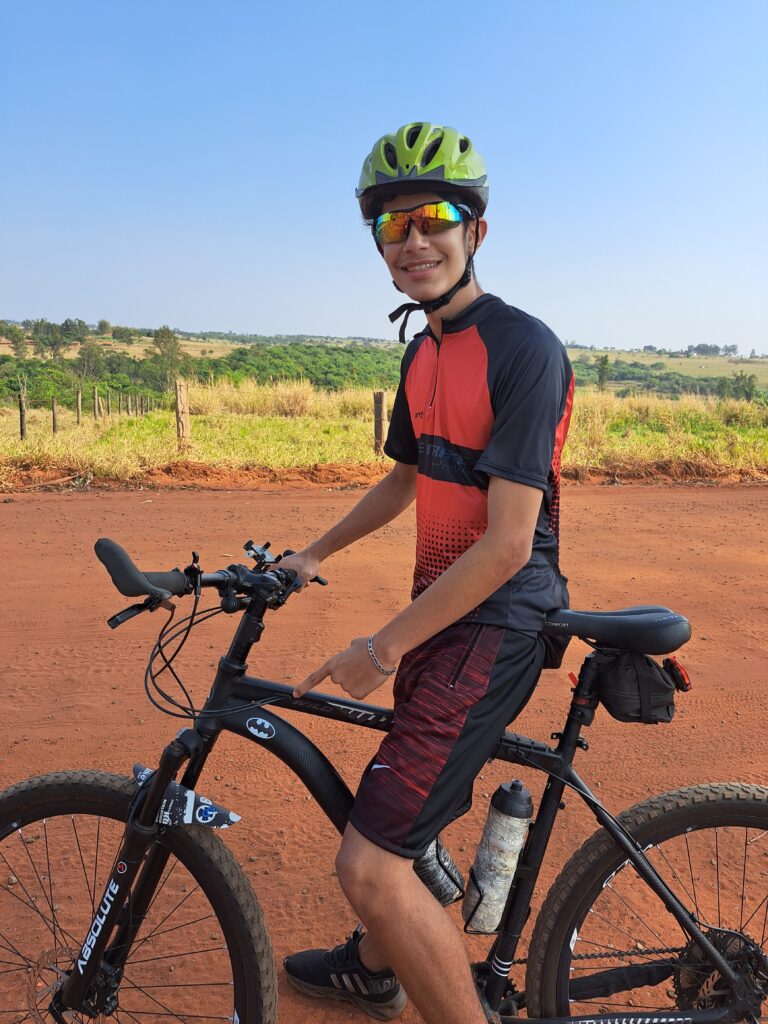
{"x": 604, "y": 943}
{"x": 202, "y": 954}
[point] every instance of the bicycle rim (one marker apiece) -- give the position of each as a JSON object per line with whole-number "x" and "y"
{"x": 190, "y": 961}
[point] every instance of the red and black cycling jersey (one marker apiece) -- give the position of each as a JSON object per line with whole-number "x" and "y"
{"x": 493, "y": 397}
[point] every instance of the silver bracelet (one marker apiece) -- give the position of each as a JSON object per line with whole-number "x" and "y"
{"x": 376, "y": 662}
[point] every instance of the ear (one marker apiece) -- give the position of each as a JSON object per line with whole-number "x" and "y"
{"x": 479, "y": 227}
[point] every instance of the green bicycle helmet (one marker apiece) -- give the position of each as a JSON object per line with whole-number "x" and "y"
{"x": 421, "y": 157}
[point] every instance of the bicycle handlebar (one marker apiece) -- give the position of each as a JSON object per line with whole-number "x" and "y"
{"x": 275, "y": 584}
{"x": 131, "y": 581}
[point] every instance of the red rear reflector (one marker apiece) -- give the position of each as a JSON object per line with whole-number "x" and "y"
{"x": 679, "y": 675}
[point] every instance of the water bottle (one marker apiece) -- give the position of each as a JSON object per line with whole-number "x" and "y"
{"x": 506, "y": 828}
{"x": 437, "y": 871}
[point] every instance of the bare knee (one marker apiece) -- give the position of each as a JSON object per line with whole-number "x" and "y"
{"x": 367, "y": 873}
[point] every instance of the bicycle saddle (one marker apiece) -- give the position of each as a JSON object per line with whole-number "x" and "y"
{"x": 646, "y": 629}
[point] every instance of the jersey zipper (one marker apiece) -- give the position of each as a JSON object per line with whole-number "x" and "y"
{"x": 437, "y": 371}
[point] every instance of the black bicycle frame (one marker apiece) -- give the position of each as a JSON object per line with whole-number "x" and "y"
{"x": 237, "y": 703}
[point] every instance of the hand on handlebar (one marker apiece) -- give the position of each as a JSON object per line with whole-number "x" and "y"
{"x": 303, "y": 564}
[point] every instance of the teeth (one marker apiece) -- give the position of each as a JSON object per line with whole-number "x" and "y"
{"x": 420, "y": 266}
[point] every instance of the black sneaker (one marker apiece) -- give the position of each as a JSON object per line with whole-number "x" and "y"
{"x": 339, "y": 974}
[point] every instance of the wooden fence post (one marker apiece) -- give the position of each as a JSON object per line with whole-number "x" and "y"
{"x": 79, "y": 406}
{"x": 109, "y": 403}
{"x": 95, "y": 403}
{"x": 22, "y": 415}
{"x": 119, "y": 403}
{"x": 128, "y": 404}
{"x": 379, "y": 421}
{"x": 53, "y": 413}
{"x": 183, "y": 430}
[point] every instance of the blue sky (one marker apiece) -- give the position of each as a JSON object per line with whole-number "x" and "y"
{"x": 193, "y": 163}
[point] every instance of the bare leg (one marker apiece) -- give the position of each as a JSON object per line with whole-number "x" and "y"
{"x": 408, "y": 931}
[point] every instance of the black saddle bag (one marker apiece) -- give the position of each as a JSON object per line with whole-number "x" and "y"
{"x": 635, "y": 688}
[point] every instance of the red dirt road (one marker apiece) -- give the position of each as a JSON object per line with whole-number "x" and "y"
{"x": 73, "y": 689}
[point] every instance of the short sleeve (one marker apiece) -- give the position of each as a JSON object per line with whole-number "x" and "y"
{"x": 401, "y": 444}
{"x": 528, "y": 395}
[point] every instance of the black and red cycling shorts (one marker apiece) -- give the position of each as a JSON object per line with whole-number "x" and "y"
{"x": 454, "y": 696}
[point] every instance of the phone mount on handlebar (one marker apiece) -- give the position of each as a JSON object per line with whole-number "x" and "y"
{"x": 262, "y": 556}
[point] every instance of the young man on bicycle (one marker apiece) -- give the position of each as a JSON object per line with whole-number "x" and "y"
{"x": 477, "y": 427}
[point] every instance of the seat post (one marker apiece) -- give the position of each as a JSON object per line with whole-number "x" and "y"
{"x": 581, "y": 712}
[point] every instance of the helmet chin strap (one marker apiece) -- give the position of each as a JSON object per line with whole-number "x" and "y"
{"x": 429, "y": 307}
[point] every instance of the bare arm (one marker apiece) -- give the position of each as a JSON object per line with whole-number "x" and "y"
{"x": 379, "y": 506}
{"x": 502, "y": 551}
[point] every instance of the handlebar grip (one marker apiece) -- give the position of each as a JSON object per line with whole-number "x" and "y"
{"x": 131, "y": 581}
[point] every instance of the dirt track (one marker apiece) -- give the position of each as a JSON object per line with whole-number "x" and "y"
{"x": 73, "y": 691}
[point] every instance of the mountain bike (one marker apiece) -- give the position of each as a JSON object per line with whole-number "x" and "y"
{"x": 119, "y": 901}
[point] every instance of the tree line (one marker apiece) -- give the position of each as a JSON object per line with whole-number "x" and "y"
{"x": 47, "y": 373}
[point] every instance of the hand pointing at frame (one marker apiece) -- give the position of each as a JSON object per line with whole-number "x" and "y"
{"x": 352, "y": 670}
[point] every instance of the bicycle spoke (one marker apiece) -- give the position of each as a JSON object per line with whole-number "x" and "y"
{"x": 189, "y": 1016}
{"x": 29, "y": 902}
{"x": 762, "y": 903}
{"x": 96, "y": 862}
{"x": 9, "y": 947}
{"x": 743, "y": 880}
{"x": 50, "y": 880}
{"x": 161, "y": 886}
{"x": 674, "y": 871}
{"x": 632, "y": 911}
{"x": 134, "y": 987}
{"x": 151, "y": 934}
{"x": 190, "y": 984}
{"x": 717, "y": 872}
{"x": 693, "y": 880}
{"x": 91, "y": 892}
{"x": 173, "y": 956}
{"x": 166, "y": 931}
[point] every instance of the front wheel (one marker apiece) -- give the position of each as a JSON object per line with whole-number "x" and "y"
{"x": 605, "y": 944}
{"x": 202, "y": 954}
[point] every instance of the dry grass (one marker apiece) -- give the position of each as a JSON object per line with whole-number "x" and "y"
{"x": 293, "y": 424}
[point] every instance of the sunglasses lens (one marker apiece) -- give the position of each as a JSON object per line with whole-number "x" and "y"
{"x": 430, "y": 219}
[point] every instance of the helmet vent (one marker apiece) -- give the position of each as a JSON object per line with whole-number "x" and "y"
{"x": 390, "y": 155}
{"x": 463, "y": 145}
{"x": 413, "y": 133}
{"x": 431, "y": 151}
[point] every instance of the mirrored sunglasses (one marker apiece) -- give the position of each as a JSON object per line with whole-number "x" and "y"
{"x": 430, "y": 219}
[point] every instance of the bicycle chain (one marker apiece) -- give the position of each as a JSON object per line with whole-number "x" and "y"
{"x": 614, "y": 954}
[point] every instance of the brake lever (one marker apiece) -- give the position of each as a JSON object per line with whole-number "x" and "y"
{"x": 133, "y": 610}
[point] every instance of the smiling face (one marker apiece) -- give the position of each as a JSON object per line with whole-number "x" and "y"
{"x": 427, "y": 266}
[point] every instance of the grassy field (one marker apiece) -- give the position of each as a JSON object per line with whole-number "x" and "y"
{"x": 294, "y": 425}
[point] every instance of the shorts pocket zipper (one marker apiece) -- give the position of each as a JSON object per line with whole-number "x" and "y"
{"x": 465, "y": 655}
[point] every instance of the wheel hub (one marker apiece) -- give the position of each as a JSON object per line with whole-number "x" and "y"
{"x": 46, "y": 977}
{"x": 699, "y": 986}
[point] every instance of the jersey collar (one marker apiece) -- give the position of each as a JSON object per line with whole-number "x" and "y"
{"x": 476, "y": 311}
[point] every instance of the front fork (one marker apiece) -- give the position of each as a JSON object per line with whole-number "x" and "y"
{"x": 123, "y": 906}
